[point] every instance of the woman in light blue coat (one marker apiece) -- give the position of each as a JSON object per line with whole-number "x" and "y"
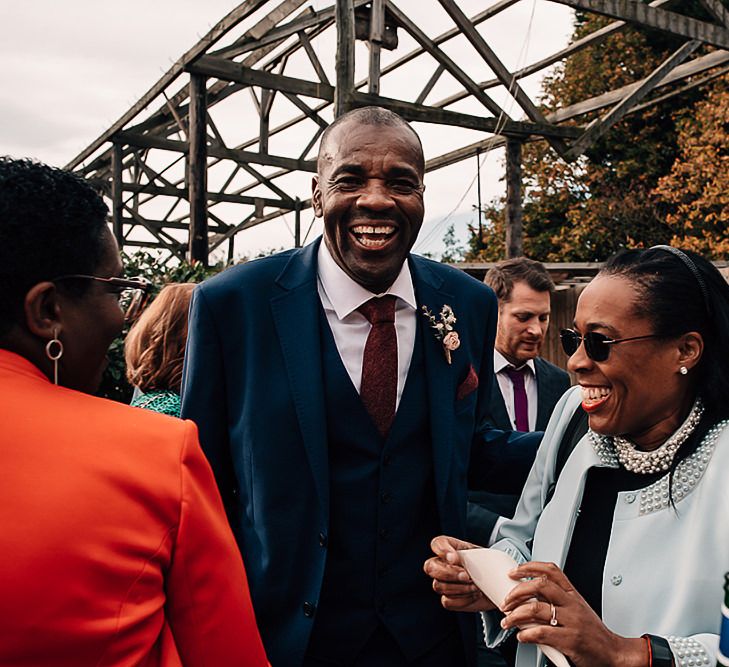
{"x": 622, "y": 553}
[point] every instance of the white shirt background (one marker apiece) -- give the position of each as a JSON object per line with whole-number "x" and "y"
{"x": 341, "y": 296}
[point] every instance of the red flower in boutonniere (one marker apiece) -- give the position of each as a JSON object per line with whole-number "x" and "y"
{"x": 443, "y": 329}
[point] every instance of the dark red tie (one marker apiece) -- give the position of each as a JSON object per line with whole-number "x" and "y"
{"x": 521, "y": 405}
{"x": 378, "y": 390}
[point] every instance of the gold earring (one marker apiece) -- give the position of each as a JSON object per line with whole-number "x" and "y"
{"x": 54, "y": 356}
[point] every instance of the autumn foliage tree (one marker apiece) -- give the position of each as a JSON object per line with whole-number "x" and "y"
{"x": 620, "y": 193}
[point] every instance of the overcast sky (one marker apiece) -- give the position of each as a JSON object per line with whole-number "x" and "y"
{"x": 72, "y": 67}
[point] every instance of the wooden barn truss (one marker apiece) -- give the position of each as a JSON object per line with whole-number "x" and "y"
{"x": 178, "y": 178}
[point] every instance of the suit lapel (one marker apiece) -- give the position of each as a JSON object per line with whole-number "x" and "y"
{"x": 498, "y": 411}
{"x": 295, "y": 313}
{"x": 439, "y": 374}
{"x": 547, "y": 393}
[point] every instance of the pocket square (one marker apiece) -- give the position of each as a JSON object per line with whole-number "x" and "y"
{"x": 468, "y": 385}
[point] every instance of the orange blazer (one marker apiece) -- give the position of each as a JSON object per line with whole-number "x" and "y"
{"x": 114, "y": 546}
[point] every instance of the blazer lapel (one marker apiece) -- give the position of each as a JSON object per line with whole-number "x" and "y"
{"x": 297, "y": 326}
{"x": 499, "y": 415}
{"x": 439, "y": 374}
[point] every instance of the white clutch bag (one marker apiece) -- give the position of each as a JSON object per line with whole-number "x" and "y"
{"x": 489, "y": 570}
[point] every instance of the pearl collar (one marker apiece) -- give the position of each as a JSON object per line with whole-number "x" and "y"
{"x": 657, "y": 460}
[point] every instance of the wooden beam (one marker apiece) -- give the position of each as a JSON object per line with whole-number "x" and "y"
{"x": 313, "y": 58}
{"x": 425, "y": 114}
{"x": 197, "y": 169}
{"x": 241, "y": 157}
{"x": 660, "y": 19}
{"x": 117, "y": 206}
{"x": 242, "y": 11}
{"x": 591, "y": 39}
{"x": 513, "y": 209}
{"x": 430, "y": 84}
{"x": 213, "y": 197}
{"x": 277, "y": 35}
{"x": 686, "y": 70}
{"x": 230, "y": 71}
{"x": 507, "y": 79}
{"x": 377, "y": 30}
{"x": 454, "y": 70}
{"x": 344, "y": 14}
{"x": 598, "y": 127}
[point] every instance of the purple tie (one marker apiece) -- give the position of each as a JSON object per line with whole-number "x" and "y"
{"x": 521, "y": 406}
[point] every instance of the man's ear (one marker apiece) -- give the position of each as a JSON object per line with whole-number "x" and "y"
{"x": 690, "y": 349}
{"x": 316, "y": 197}
{"x": 42, "y": 310}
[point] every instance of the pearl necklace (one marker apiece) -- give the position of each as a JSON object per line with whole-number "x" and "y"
{"x": 660, "y": 459}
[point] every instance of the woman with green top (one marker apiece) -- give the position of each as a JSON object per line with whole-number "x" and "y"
{"x": 155, "y": 350}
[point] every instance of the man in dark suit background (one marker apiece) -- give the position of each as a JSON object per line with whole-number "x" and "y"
{"x": 340, "y": 419}
{"x": 525, "y": 387}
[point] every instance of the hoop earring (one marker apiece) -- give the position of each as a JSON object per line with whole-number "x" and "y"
{"x": 54, "y": 357}
{"x": 683, "y": 370}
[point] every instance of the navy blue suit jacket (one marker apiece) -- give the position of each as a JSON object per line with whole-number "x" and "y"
{"x": 253, "y": 384}
{"x": 484, "y": 507}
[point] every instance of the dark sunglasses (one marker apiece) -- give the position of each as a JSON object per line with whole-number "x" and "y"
{"x": 597, "y": 345}
{"x": 133, "y": 293}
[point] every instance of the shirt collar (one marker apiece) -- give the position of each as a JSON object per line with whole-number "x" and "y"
{"x": 501, "y": 363}
{"x": 346, "y": 295}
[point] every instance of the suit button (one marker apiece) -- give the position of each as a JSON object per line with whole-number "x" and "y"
{"x": 616, "y": 580}
{"x": 322, "y": 540}
{"x": 383, "y": 533}
{"x": 309, "y": 609}
{"x": 386, "y": 497}
{"x": 630, "y": 498}
{"x": 235, "y": 491}
{"x": 386, "y": 460}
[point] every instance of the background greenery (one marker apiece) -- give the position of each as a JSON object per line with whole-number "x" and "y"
{"x": 660, "y": 175}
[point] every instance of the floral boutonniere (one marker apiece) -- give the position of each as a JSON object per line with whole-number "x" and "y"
{"x": 443, "y": 328}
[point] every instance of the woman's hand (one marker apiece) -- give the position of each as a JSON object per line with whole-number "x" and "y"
{"x": 450, "y": 580}
{"x": 561, "y": 618}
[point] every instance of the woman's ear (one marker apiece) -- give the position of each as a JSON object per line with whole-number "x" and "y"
{"x": 43, "y": 311}
{"x": 690, "y": 349}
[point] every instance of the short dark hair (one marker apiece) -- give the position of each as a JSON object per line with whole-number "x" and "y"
{"x": 503, "y": 276}
{"x": 370, "y": 116}
{"x": 52, "y": 223}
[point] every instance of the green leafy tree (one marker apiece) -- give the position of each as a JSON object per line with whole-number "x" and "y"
{"x": 587, "y": 209}
{"x": 453, "y": 251}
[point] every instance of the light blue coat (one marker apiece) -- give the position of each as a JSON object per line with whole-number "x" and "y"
{"x": 664, "y": 567}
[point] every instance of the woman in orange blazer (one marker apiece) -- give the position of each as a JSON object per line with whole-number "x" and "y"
{"x": 114, "y": 546}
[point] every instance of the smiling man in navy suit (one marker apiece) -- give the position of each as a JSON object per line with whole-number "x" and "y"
{"x": 342, "y": 422}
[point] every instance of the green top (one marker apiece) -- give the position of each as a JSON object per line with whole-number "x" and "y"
{"x": 166, "y": 402}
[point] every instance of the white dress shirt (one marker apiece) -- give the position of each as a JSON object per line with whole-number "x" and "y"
{"x": 341, "y": 296}
{"x": 507, "y": 388}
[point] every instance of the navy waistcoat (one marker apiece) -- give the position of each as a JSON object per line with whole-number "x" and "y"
{"x": 383, "y": 515}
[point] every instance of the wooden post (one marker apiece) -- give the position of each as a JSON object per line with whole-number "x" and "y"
{"x": 344, "y": 15}
{"x": 197, "y": 170}
{"x": 117, "y": 190}
{"x": 377, "y": 29}
{"x": 513, "y": 210}
{"x": 297, "y": 224}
